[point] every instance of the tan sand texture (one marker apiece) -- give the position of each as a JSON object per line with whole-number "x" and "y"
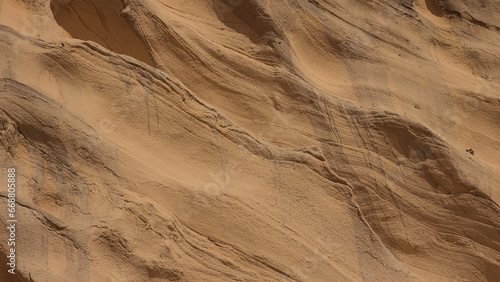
{"x": 251, "y": 140}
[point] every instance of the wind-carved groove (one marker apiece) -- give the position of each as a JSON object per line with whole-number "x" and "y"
{"x": 37, "y": 180}
{"x": 223, "y": 159}
{"x": 149, "y": 93}
{"x": 272, "y": 168}
{"x": 351, "y": 126}
{"x": 157, "y": 113}
{"x": 146, "y": 99}
{"x": 331, "y": 121}
{"x": 288, "y": 189}
{"x": 281, "y": 189}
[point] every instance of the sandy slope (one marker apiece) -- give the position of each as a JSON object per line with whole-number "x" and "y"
{"x": 255, "y": 140}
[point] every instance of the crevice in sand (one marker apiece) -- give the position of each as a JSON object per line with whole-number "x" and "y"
{"x": 102, "y": 23}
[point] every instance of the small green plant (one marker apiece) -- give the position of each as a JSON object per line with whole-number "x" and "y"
{"x": 470, "y": 151}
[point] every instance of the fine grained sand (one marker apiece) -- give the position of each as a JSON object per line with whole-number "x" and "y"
{"x": 251, "y": 140}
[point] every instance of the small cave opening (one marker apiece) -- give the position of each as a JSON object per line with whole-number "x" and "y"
{"x": 244, "y": 17}
{"x": 435, "y": 7}
{"x": 100, "y": 21}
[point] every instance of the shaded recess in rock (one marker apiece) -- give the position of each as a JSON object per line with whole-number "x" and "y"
{"x": 102, "y": 22}
{"x": 435, "y": 7}
{"x": 247, "y": 18}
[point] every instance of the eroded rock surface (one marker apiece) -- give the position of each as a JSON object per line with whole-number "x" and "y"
{"x": 255, "y": 140}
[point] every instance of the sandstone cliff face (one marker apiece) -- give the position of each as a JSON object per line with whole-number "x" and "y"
{"x": 255, "y": 140}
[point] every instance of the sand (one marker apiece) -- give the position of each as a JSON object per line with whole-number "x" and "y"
{"x": 251, "y": 140}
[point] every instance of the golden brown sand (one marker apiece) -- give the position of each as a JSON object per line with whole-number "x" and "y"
{"x": 251, "y": 140}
